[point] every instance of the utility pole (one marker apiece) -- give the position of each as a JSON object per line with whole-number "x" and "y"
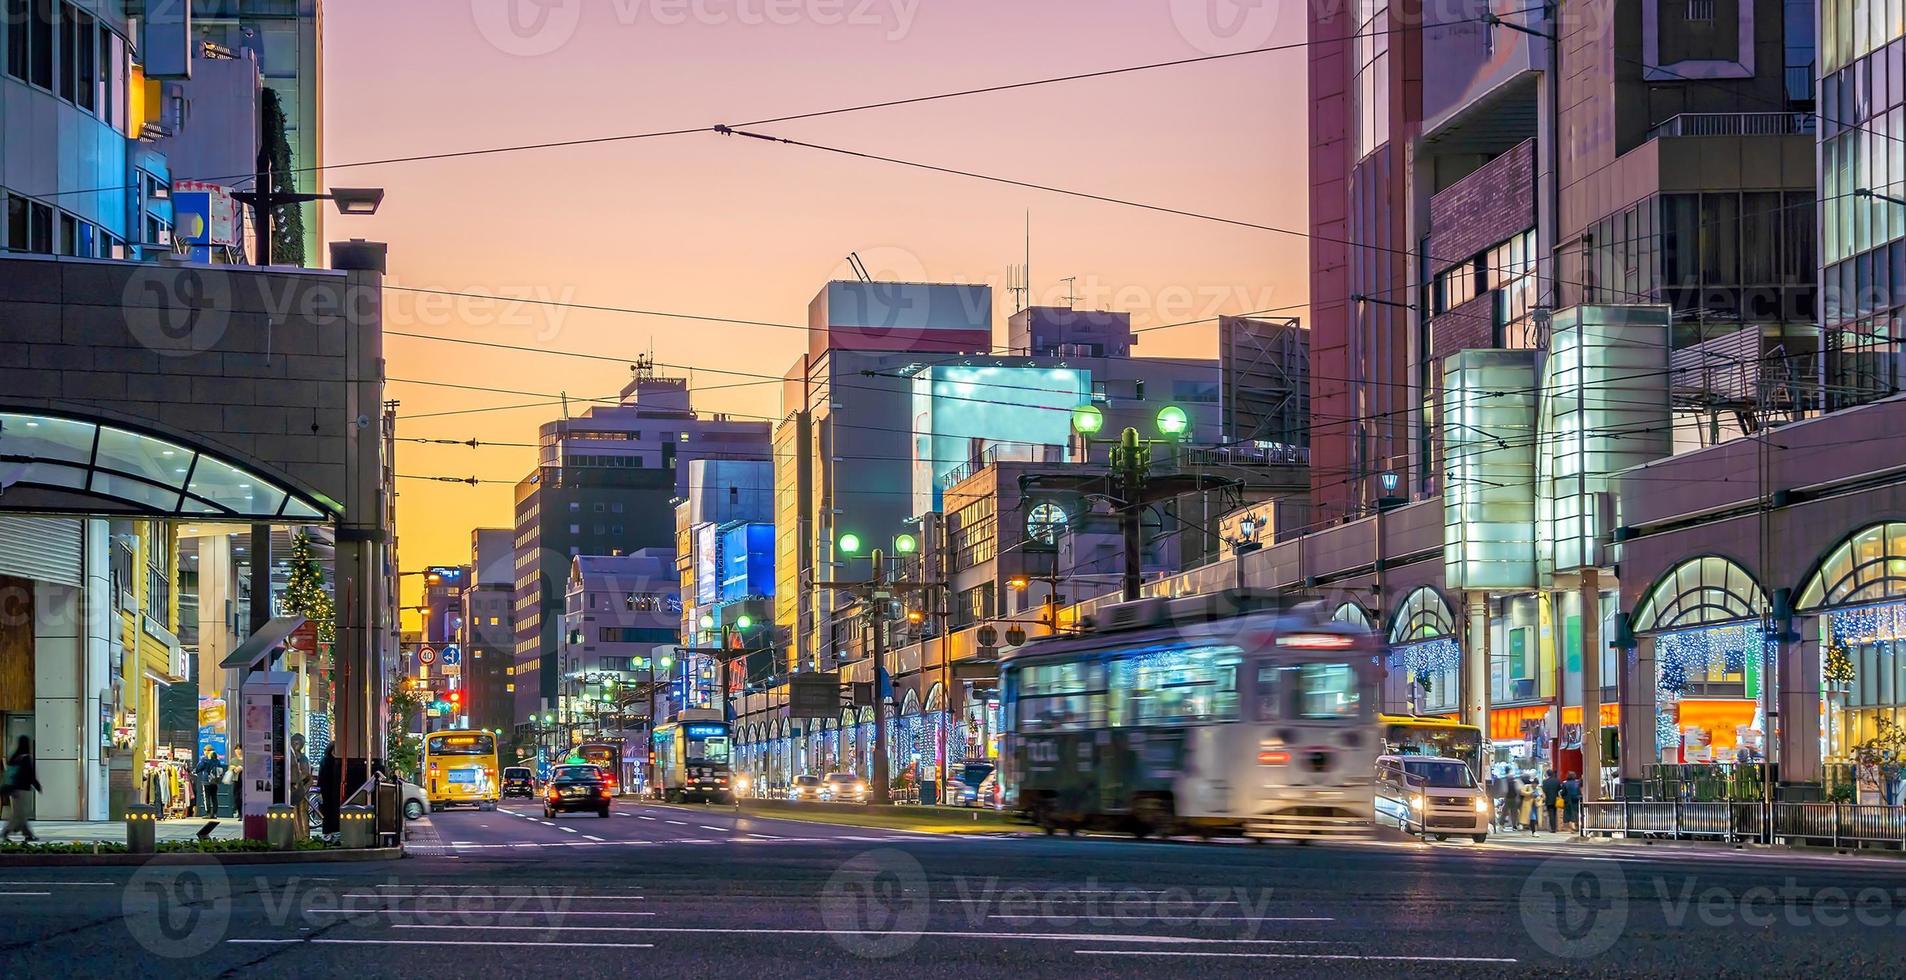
{"x": 883, "y": 784}
{"x": 1131, "y": 459}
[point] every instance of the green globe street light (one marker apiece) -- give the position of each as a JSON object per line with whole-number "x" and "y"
{"x": 707, "y": 622}
{"x": 850, "y": 543}
{"x": 744, "y": 622}
{"x": 667, "y": 662}
{"x": 906, "y": 544}
{"x": 1087, "y": 420}
{"x": 1172, "y": 420}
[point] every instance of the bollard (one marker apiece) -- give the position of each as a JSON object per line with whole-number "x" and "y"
{"x": 358, "y": 826}
{"x": 142, "y": 828}
{"x": 281, "y": 827}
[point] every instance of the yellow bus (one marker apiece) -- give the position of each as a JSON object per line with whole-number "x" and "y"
{"x": 1450, "y": 739}
{"x": 460, "y": 769}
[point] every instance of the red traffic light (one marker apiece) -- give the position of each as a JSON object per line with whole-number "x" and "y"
{"x": 456, "y": 697}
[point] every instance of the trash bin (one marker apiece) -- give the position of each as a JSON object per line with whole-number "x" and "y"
{"x": 357, "y": 825}
{"x": 282, "y": 827}
{"x": 142, "y": 828}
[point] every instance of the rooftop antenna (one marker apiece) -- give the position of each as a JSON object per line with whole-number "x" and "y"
{"x": 860, "y": 268}
{"x": 1071, "y": 299}
{"x": 1016, "y": 286}
{"x": 1028, "y": 257}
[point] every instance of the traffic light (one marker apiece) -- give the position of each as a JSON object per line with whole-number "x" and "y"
{"x": 456, "y": 698}
{"x": 916, "y": 617}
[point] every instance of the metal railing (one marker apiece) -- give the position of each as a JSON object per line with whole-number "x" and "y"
{"x": 1735, "y": 124}
{"x": 1832, "y": 824}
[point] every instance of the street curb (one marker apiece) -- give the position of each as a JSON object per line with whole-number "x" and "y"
{"x": 1724, "y": 846}
{"x": 236, "y": 858}
{"x": 824, "y": 813}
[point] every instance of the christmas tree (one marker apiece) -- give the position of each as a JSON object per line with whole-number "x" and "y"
{"x": 304, "y": 593}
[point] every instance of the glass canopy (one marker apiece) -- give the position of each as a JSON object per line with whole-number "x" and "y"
{"x": 141, "y": 473}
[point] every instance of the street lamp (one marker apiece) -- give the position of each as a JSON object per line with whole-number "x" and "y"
{"x": 1172, "y": 421}
{"x": 1087, "y": 420}
{"x": 265, "y": 201}
{"x": 906, "y": 544}
{"x": 850, "y": 543}
{"x": 744, "y": 622}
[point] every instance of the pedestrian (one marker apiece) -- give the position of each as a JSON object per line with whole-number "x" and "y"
{"x": 331, "y": 787}
{"x": 1531, "y": 801}
{"x": 235, "y": 778}
{"x": 1572, "y": 801}
{"x": 21, "y": 778}
{"x": 1510, "y": 809}
{"x": 209, "y": 771}
{"x": 1551, "y": 796}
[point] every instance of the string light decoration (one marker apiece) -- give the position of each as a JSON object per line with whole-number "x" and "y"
{"x": 1684, "y": 656}
{"x": 1838, "y": 668}
{"x": 304, "y": 592}
{"x": 1869, "y": 624}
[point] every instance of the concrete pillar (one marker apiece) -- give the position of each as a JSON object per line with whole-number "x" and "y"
{"x": 1591, "y": 685}
{"x": 1476, "y": 662}
{"x": 72, "y": 666}
{"x": 1638, "y": 709}
{"x": 1798, "y": 737}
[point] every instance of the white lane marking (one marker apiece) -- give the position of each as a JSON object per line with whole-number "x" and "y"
{"x": 557, "y": 895}
{"x": 677, "y": 823}
{"x": 438, "y": 942}
{"x": 1294, "y": 956}
{"x": 719, "y": 830}
{"x": 33, "y": 894}
{"x": 865, "y": 839}
{"x": 57, "y": 884}
{"x": 556, "y": 911}
{"x": 767, "y": 837}
{"x": 1168, "y": 917}
{"x": 639, "y": 816}
{"x": 567, "y": 830}
{"x": 1068, "y": 937}
{"x": 592, "y": 837}
{"x": 950, "y": 901}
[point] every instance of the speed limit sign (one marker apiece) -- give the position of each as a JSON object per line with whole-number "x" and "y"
{"x": 426, "y": 655}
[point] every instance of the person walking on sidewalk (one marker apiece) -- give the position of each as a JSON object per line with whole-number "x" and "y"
{"x": 1551, "y": 796}
{"x": 21, "y": 779}
{"x": 1572, "y": 802}
{"x": 209, "y": 771}
{"x": 1511, "y": 803}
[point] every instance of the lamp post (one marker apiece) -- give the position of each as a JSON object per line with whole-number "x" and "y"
{"x": 264, "y": 202}
{"x": 1132, "y": 484}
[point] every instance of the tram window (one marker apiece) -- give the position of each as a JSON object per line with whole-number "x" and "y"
{"x": 1176, "y": 687}
{"x": 1269, "y": 692}
{"x": 1327, "y": 691}
{"x": 1061, "y": 697}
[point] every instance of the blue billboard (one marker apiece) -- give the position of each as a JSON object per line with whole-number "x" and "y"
{"x": 747, "y": 561}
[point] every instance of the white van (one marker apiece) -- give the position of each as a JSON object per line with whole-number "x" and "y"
{"x": 1422, "y": 794}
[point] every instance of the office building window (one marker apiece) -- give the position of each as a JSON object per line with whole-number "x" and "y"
{"x": 39, "y": 31}
{"x": 85, "y": 58}
{"x": 40, "y": 237}
{"x": 69, "y": 53}
{"x": 1373, "y": 75}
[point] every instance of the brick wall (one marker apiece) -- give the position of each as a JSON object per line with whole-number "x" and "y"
{"x": 1484, "y": 208}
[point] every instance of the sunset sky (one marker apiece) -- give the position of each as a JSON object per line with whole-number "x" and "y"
{"x": 732, "y": 227}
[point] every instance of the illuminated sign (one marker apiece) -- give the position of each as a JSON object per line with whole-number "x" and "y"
{"x": 704, "y": 731}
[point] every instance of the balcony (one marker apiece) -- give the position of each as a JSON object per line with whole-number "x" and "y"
{"x": 1735, "y": 124}
{"x": 1003, "y": 452}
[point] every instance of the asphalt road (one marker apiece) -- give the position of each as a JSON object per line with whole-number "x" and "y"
{"x": 696, "y": 891}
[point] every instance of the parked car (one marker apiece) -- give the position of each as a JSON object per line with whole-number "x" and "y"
{"x": 416, "y": 801}
{"x": 975, "y": 784}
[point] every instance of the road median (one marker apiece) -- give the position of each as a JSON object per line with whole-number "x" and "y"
{"x": 921, "y": 819}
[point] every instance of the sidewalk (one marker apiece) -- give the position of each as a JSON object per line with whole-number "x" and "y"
{"x": 114, "y": 831}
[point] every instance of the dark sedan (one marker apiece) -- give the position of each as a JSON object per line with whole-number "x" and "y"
{"x": 574, "y": 788}
{"x": 519, "y": 781}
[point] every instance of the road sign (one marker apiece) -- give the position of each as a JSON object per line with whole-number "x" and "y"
{"x": 814, "y": 695}
{"x": 426, "y": 655}
{"x": 451, "y": 655}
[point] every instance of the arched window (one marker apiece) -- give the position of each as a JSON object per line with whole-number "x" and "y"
{"x": 1352, "y": 613}
{"x": 1705, "y": 591}
{"x": 1870, "y": 566}
{"x": 1422, "y": 616}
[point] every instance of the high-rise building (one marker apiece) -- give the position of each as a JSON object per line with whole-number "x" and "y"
{"x": 74, "y": 92}
{"x": 288, "y": 37}
{"x": 489, "y": 628}
{"x": 603, "y": 485}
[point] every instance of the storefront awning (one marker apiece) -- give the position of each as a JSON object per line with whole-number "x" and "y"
{"x": 260, "y": 644}
{"x": 63, "y": 464}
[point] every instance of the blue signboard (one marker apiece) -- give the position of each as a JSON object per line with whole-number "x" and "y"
{"x": 747, "y": 561}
